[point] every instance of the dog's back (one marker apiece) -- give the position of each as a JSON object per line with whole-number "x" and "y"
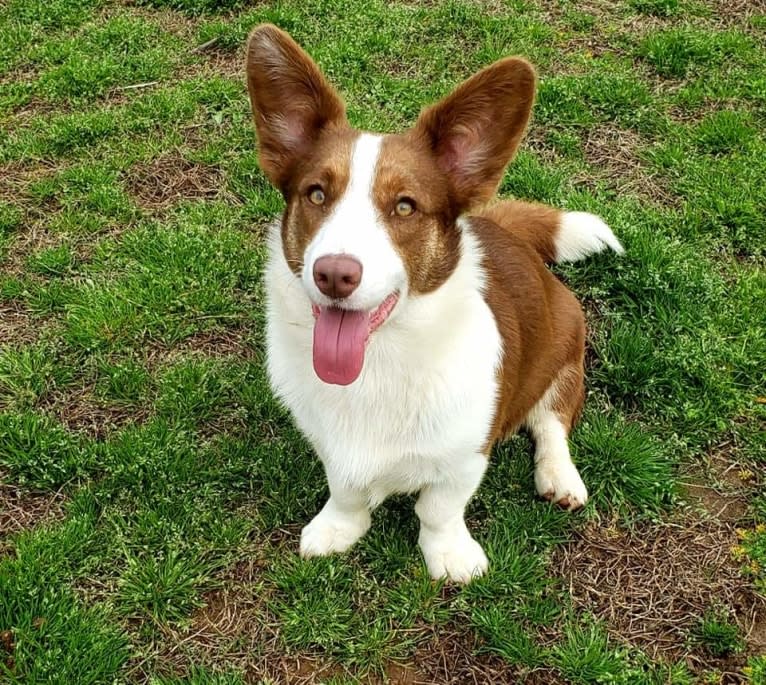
{"x": 555, "y": 235}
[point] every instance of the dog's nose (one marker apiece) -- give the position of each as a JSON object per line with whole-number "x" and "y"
{"x": 337, "y": 276}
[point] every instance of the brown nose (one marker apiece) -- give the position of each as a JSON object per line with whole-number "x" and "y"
{"x": 337, "y": 276}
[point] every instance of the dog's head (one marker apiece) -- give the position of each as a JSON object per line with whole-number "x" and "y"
{"x": 371, "y": 220}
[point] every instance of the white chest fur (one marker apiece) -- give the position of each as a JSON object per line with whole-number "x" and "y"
{"x": 425, "y": 398}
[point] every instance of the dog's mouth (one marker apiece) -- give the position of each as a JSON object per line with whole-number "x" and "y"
{"x": 340, "y": 339}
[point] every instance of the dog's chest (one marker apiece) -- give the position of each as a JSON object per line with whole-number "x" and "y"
{"x": 426, "y": 396}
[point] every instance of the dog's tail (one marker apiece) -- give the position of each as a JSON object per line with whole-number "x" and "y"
{"x": 556, "y": 236}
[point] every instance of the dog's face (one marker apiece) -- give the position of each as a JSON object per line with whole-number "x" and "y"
{"x": 370, "y": 220}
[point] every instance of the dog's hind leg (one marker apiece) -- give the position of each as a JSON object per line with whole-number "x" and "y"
{"x": 549, "y": 421}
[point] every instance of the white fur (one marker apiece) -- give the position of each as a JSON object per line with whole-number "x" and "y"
{"x": 355, "y": 228}
{"x": 338, "y": 526}
{"x": 417, "y": 418}
{"x": 556, "y": 476}
{"x": 582, "y": 234}
{"x": 448, "y": 548}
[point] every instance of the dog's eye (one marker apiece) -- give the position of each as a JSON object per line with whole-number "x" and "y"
{"x": 316, "y": 195}
{"x": 405, "y": 207}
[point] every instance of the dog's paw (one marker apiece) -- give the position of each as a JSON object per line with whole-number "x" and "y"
{"x": 460, "y": 559}
{"x": 328, "y": 533}
{"x": 560, "y": 482}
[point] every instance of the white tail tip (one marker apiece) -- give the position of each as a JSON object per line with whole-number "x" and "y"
{"x": 582, "y": 234}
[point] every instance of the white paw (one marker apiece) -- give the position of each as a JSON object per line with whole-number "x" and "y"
{"x": 560, "y": 482}
{"x": 458, "y": 558}
{"x": 330, "y": 532}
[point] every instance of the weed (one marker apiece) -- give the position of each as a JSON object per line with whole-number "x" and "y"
{"x": 717, "y": 634}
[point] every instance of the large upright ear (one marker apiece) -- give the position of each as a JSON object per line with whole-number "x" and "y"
{"x": 291, "y": 99}
{"x": 474, "y": 132}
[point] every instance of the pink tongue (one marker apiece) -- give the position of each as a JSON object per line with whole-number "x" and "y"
{"x": 339, "y": 339}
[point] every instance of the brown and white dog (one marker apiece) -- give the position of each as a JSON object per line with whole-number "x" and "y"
{"x": 410, "y": 326}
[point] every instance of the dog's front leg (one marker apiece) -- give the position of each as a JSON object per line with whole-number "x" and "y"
{"x": 447, "y": 546}
{"x": 343, "y": 520}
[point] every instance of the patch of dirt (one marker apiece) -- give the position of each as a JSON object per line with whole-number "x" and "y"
{"x": 16, "y": 324}
{"x": 736, "y": 13}
{"x": 612, "y": 154}
{"x": 233, "y": 630}
{"x": 229, "y": 342}
{"x": 721, "y": 505}
{"x": 23, "y": 510}
{"x": 169, "y": 178}
{"x": 451, "y": 659}
{"x": 723, "y": 487}
{"x": 81, "y": 411}
{"x": 7, "y": 646}
{"x": 653, "y": 585}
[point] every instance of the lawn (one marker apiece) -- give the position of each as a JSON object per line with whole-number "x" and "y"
{"x": 151, "y": 489}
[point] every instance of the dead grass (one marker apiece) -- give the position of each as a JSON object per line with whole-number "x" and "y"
{"x": 23, "y": 510}
{"x": 216, "y": 344}
{"x": 16, "y": 325}
{"x": 220, "y": 63}
{"x": 16, "y": 176}
{"x": 536, "y": 142}
{"x": 33, "y": 238}
{"x": 612, "y": 155}
{"x": 81, "y": 411}
{"x": 170, "y": 178}
{"x": 653, "y": 585}
{"x": 736, "y": 13}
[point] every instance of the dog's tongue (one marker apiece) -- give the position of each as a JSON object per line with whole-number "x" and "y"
{"x": 339, "y": 339}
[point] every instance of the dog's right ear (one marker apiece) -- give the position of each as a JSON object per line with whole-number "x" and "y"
{"x": 291, "y": 99}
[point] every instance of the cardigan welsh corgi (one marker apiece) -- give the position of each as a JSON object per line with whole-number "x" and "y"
{"x": 410, "y": 324}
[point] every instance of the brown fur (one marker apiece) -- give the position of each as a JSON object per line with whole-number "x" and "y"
{"x": 537, "y": 225}
{"x": 292, "y": 101}
{"x": 474, "y": 132}
{"x": 328, "y": 166}
{"x": 541, "y": 324}
{"x": 427, "y": 241}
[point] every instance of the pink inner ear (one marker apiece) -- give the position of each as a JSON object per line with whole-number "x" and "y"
{"x": 462, "y": 153}
{"x": 290, "y": 131}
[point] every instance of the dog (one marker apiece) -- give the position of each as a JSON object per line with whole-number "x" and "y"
{"x": 412, "y": 323}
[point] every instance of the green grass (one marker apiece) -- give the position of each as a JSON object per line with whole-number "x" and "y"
{"x": 753, "y": 551}
{"x": 717, "y": 634}
{"x": 132, "y": 379}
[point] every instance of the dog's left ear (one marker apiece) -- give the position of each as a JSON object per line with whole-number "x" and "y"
{"x": 292, "y": 101}
{"x": 474, "y": 132}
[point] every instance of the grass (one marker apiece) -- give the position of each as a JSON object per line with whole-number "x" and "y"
{"x": 133, "y": 392}
{"x": 718, "y": 634}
